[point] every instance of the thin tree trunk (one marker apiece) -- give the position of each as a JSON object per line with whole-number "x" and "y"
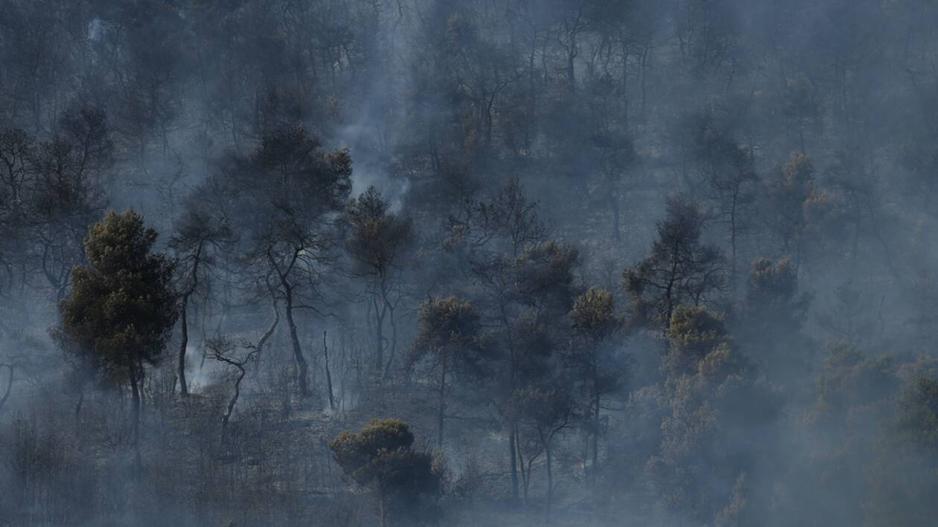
{"x": 382, "y": 507}
{"x": 512, "y": 426}
{"x": 525, "y": 474}
{"x": 184, "y": 333}
{"x": 550, "y": 477}
{"x": 532, "y": 95}
{"x": 571, "y": 63}
{"x": 302, "y": 368}
{"x": 393, "y": 350}
{"x": 265, "y": 337}
{"x": 183, "y": 344}
{"x": 669, "y": 292}
{"x": 514, "y": 462}
{"x": 81, "y": 400}
{"x": 9, "y": 388}
{"x": 595, "y": 409}
{"x": 325, "y": 352}
{"x": 379, "y": 336}
{"x": 135, "y": 416}
{"x": 733, "y": 233}
{"x": 644, "y": 64}
{"x": 625, "y": 81}
{"x": 135, "y": 399}
{"x": 441, "y": 417}
{"x": 234, "y": 398}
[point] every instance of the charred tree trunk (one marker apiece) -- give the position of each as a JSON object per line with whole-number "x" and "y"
{"x": 382, "y": 506}
{"x": 512, "y": 424}
{"x": 595, "y": 411}
{"x": 135, "y": 395}
{"x": 9, "y": 388}
{"x": 389, "y": 309}
{"x": 79, "y": 403}
{"x": 302, "y": 368}
{"x": 135, "y": 408}
{"x": 525, "y": 472}
{"x": 512, "y": 442}
{"x": 325, "y": 352}
{"x": 234, "y": 398}
{"x": 184, "y": 323}
{"x": 183, "y": 344}
{"x": 380, "y": 312}
{"x": 550, "y": 476}
{"x": 441, "y": 415}
{"x": 264, "y": 338}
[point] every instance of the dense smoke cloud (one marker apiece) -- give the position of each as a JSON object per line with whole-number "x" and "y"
{"x": 439, "y": 262}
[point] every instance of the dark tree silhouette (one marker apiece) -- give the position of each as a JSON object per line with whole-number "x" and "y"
{"x": 198, "y": 235}
{"x": 377, "y": 242}
{"x": 381, "y": 457}
{"x": 680, "y": 269}
{"x": 449, "y": 332}
{"x": 285, "y": 198}
{"x": 121, "y": 308}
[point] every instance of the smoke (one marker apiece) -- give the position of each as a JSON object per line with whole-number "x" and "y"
{"x": 800, "y": 132}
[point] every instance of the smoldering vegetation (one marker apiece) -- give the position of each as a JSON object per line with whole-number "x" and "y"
{"x": 475, "y": 262}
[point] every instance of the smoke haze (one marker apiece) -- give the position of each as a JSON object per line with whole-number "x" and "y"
{"x": 578, "y": 262}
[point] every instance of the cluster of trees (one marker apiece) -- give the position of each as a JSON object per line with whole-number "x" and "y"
{"x": 574, "y": 260}
{"x": 52, "y": 192}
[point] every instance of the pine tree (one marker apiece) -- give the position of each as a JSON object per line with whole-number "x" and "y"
{"x": 119, "y": 313}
